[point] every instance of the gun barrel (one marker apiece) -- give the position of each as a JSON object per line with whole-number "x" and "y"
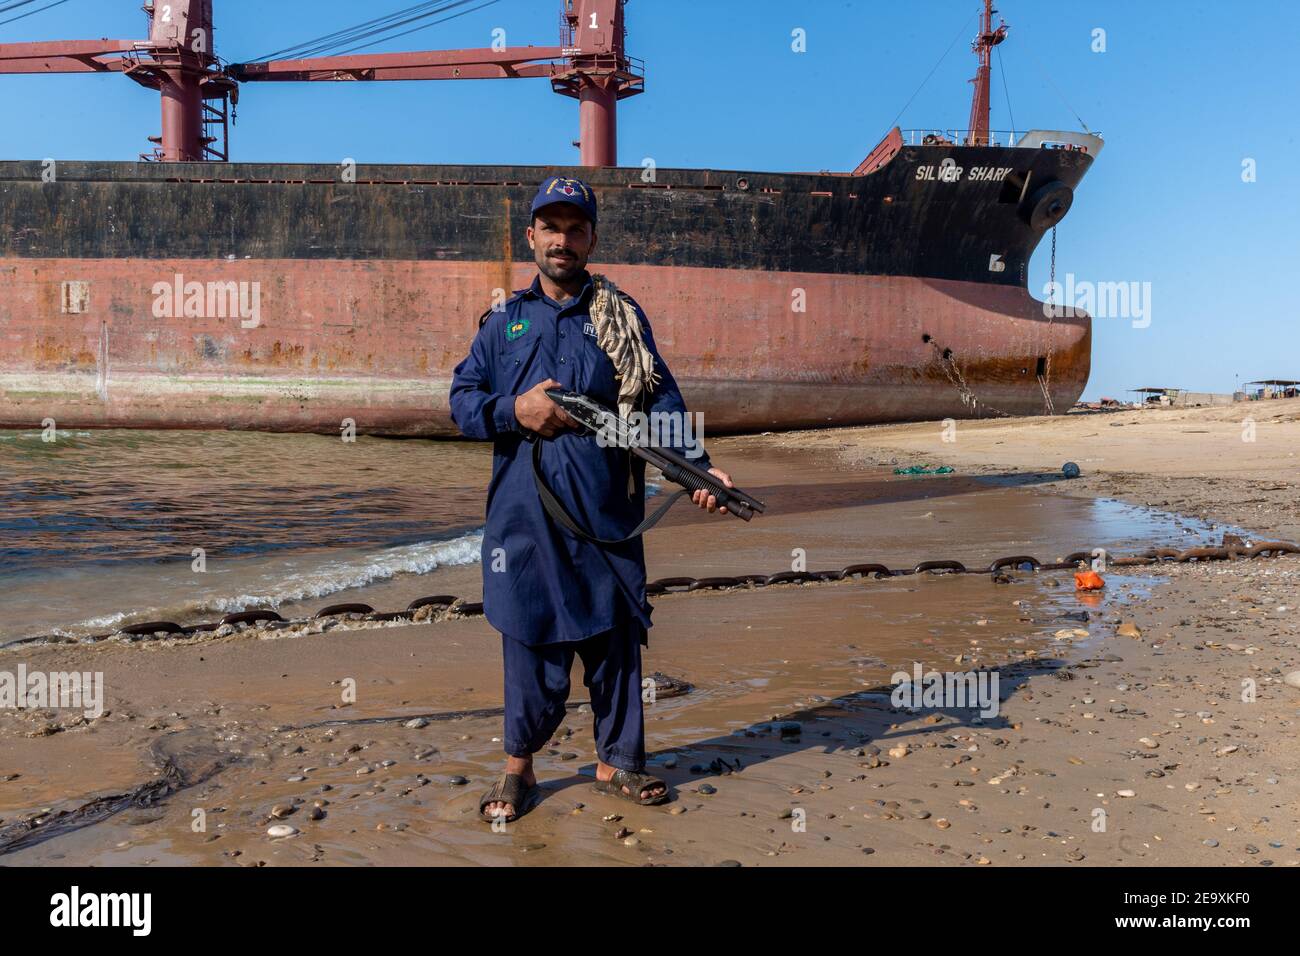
{"x": 716, "y": 487}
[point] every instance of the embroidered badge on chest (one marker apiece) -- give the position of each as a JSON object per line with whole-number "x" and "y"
{"x": 516, "y": 328}
{"x": 589, "y": 329}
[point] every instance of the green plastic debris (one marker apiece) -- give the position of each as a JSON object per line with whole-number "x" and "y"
{"x": 924, "y": 470}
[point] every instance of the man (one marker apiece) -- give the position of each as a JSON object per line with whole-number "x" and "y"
{"x": 552, "y": 594}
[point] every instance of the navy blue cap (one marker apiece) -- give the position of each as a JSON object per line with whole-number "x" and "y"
{"x": 563, "y": 189}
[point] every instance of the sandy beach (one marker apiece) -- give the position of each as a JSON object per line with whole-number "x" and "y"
{"x": 1148, "y": 723}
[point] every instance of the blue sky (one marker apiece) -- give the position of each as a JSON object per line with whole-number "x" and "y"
{"x": 1184, "y": 92}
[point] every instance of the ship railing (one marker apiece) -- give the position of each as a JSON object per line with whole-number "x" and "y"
{"x": 626, "y": 65}
{"x": 630, "y": 71}
{"x": 959, "y": 137}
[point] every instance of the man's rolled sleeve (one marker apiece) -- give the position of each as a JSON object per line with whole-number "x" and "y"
{"x": 478, "y": 411}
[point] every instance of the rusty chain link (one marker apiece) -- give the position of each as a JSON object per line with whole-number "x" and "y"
{"x": 675, "y": 585}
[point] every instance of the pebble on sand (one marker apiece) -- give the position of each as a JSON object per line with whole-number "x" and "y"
{"x": 281, "y": 830}
{"x": 1129, "y": 629}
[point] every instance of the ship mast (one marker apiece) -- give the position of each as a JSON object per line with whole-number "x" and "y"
{"x": 982, "y": 46}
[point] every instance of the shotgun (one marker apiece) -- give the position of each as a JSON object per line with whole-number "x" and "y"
{"x": 615, "y": 431}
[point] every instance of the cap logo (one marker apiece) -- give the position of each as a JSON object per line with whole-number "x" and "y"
{"x": 566, "y": 186}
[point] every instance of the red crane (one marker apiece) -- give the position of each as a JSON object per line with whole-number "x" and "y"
{"x": 590, "y": 64}
{"x": 983, "y": 46}
{"x": 178, "y": 60}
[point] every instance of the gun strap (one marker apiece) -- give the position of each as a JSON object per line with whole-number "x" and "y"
{"x": 555, "y": 508}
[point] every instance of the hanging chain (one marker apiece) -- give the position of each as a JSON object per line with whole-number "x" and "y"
{"x": 1053, "y": 278}
{"x": 1045, "y": 380}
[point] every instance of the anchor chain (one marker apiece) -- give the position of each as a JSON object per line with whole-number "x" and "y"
{"x": 455, "y": 607}
{"x": 1045, "y": 380}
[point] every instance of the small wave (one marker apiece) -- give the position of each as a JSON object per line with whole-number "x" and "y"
{"x": 42, "y": 436}
{"x": 328, "y": 577}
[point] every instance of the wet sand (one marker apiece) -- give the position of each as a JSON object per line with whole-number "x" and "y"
{"x": 786, "y": 749}
{"x": 1237, "y": 463}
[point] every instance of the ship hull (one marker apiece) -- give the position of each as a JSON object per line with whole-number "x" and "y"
{"x": 868, "y": 348}
{"x": 779, "y": 301}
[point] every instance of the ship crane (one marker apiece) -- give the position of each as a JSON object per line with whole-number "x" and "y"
{"x": 590, "y": 64}
{"x": 178, "y": 60}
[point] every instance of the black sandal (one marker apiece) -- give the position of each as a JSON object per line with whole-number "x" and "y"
{"x": 636, "y": 783}
{"x": 510, "y": 789}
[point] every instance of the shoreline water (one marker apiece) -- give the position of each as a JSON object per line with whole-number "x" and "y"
{"x": 299, "y": 583}
{"x": 103, "y": 529}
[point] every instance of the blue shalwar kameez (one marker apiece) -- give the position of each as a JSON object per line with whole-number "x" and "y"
{"x": 549, "y": 593}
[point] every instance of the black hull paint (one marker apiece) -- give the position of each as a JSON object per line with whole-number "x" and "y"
{"x": 888, "y": 223}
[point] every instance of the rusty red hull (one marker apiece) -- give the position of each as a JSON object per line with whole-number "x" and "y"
{"x": 867, "y": 349}
{"x": 780, "y": 301}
